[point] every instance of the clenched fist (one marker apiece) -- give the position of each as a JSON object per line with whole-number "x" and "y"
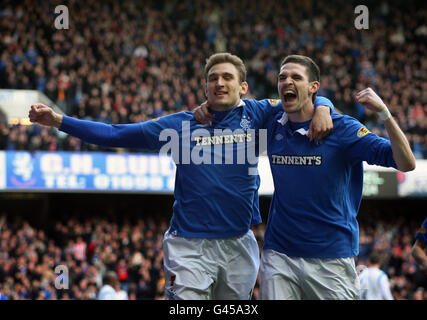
{"x": 44, "y": 115}
{"x": 370, "y": 100}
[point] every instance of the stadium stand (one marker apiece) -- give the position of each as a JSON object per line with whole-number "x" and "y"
{"x": 128, "y": 61}
{"x": 91, "y": 241}
{"x": 88, "y": 242}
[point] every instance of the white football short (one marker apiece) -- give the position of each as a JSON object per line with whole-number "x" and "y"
{"x": 291, "y": 278}
{"x": 210, "y": 269}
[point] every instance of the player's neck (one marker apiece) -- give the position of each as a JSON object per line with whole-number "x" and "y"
{"x": 222, "y": 108}
{"x": 304, "y": 114}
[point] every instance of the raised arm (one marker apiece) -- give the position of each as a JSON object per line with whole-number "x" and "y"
{"x": 401, "y": 149}
{"x": 124, "y": 135}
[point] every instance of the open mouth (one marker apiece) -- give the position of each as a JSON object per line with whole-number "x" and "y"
{"x": 289, "y": 97}
{"x": 220, "y": 93}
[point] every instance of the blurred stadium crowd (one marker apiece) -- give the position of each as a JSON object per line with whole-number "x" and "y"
{"x": 92, "y": 246}
{"x": 131, "y": 61}
{"x": 89, "y": 249}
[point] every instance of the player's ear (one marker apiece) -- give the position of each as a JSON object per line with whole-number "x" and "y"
{"x": 314, "y": 86}
{"x": 244, "y": 86}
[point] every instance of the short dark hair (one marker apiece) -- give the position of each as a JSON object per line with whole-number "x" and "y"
{"x": 312, "y": 68}
{"x": 375, "y": 258}
{"x": 110, "y": 278}
{"x": 224, "y": 57}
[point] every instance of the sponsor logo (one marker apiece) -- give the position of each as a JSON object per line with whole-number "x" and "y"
{"x": 296, "y": 160}
{"x": 223, "y": 139}
{"x": 201, "y": 146}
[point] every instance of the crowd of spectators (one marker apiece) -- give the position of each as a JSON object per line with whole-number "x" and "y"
{"x": 94, "y": 246}
{"x": 393, "y": 238}
{"x": 88, "y": 249}
{"x": 131, "y": 61}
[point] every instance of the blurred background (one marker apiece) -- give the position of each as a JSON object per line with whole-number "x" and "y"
{"x": 94, "y": 209}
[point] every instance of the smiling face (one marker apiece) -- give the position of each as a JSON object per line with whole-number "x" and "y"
{"x": 295, "y": 89}
{"x": 223, "y": 86}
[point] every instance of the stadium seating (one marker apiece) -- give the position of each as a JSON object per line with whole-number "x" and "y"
{"x": 128, "y": 61}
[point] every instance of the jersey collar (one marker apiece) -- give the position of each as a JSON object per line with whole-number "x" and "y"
{"x": 284, "y": 120}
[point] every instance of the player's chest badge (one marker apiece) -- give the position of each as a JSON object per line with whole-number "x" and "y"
{"x": 278, "y": 137}
{"x": 245, "y": 123}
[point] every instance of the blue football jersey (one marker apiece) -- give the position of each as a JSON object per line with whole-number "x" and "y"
{"x": 318, "y": 186}
{"x": 215, "y": 194}
{"x": 216, "y": 183}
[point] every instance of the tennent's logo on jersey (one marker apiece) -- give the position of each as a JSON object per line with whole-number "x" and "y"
{"x": 223, "y": 139}
{"x": 362, "y": 132}
{"x": 274, "y": 102}
{"x": 296, "y": 160}
{"x": 421, "y": 230}
{"x": 224, "y": 146}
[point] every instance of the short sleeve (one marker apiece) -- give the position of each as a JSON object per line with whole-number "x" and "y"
{"x": 360, "y": 144}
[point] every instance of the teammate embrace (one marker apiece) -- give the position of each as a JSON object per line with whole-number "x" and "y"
{"x": 312, "y": 232}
